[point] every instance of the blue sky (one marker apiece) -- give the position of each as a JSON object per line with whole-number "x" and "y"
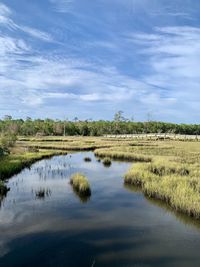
{"x": 91, "y": 58}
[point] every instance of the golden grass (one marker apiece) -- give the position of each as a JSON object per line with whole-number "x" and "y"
{"x": 175, "y": 183}
{"x": 81, "y": 184}
{"x": 167, "y": 170}
{"x": 121, "y": 155}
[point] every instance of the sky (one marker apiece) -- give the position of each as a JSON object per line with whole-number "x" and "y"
{"x": 63, "y": 59}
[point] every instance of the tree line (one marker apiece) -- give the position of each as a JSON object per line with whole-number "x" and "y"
{"x": 119, "y": 125}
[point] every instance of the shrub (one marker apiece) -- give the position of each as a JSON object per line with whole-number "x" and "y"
{"x": 7, "y": 141}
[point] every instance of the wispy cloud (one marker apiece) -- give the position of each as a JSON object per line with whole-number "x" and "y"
{"x": 6, "y": 20}
{"x": 173, "y": 55}
{"x": 105, "y": 55}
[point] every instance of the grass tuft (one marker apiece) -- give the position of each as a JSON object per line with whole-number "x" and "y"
{"x": 107, "y": 162}
{"x": 80, "y": 184}
{"x": 87, "y": 159}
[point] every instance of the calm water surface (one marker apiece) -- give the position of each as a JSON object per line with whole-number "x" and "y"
{"x": 117, "y": 226}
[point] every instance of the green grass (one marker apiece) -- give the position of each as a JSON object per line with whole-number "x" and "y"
{"x": 80, "y": 184}
{"x": 14, "y": 163}
{"x": 3, "y": 188}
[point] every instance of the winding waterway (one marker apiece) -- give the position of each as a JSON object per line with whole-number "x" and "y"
{"x": 116, "y": 226}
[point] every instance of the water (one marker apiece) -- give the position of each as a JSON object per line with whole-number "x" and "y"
{"x": 117, "y": 226}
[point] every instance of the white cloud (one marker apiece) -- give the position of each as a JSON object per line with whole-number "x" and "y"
{"x": 12, "y": 45}
{"x": 36, "y": 33}
{"x": 173, "y": 56}
{"x": 6, "y": 20}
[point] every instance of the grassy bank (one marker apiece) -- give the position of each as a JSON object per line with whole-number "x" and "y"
{"x": 172, "y": 176}
{"x": 14, "y": 163}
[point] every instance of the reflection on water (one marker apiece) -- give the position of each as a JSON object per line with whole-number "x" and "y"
{"x": 180, "y": 216}
{"x": 81, "y": 197}
{"x": 116, "y": 226}
{"x": 3, "y": 196}
{"x": 42, "y": 193}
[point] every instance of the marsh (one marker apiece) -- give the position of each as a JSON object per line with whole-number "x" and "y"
{"x": 116, "y": 226}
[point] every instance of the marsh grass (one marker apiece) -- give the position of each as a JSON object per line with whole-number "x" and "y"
{"x": 167, "y": 170}
{"x": 14, "y": 163}
{"x": 87, "y": 159}
{"x": 107, "y": 162}
{"x": 179, "y": 186}
{"x": 3, "y": 189}
{"x": 80, "y": 184}
{"x": 121, "y": 155}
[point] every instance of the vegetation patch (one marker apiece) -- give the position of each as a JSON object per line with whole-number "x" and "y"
{"x": 87, "y": 159}
{"x": 3, "y": 188}
{"x": 121, "y": 155}
{"x": 107, "y": 162}
{"x": 177, "y": 185}
{"x": 80, "y": 184}
{"x": 14, "y": 163}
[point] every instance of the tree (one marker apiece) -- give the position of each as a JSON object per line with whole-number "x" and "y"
{"x": 119, "y": 116}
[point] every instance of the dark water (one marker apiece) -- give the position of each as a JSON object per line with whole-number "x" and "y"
{"x": 117, "y": 226}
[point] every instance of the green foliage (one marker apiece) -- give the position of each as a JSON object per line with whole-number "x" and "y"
{"x": 7, "y": 141}
{"x": 119, "y": 125}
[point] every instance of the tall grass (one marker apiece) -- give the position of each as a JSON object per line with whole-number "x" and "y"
{"x": 177, "y": 185}
{"x": 80, "y": 184}
{"x": 14, "y": 163}
{"x": 121, "y": 155}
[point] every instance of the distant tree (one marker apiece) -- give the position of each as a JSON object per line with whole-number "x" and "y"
{"x": 7, "y": 118}
{"x": 119, "y": 116}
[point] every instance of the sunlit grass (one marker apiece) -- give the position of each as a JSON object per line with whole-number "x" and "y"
{"x": 81, "y": 184}
{"x": 121, "y": 155}
{"x": 14, "y": 163}
{"x": 167, "y": 170}
{"x": 176, "y": 184}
